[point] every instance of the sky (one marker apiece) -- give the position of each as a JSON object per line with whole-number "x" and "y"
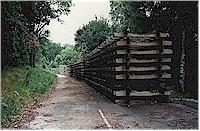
{"x": 80, "y": 13}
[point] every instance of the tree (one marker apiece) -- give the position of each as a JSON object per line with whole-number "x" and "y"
{"x": 13, "y": 29}
{"x": 92, "y": 34}
{"x": 19, "y": 20}
{"x": 51, "y": 55}
{"x": 67, "y": 55}
{"x": 147, "y": 16}
{"x": 132, "y": 15}
{"x": 47, "y": 51}
{"x": 39, "y": 13}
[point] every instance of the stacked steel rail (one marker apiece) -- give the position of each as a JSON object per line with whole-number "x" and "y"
{"x": 127, "y": 66}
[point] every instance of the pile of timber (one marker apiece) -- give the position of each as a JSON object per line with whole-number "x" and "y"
{"x": 129, "y": 66}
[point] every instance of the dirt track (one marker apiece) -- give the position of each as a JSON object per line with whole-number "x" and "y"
{"x": 75, "y": 105}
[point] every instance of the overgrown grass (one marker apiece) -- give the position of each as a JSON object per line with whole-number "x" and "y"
{"x": 54, "y": 70}
{"x": 20, "y": 86}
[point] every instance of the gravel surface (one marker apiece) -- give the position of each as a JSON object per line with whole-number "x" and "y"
{"x": 75, "y": 105}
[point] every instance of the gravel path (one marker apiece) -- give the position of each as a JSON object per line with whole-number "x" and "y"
{"x": 75, "y": 105}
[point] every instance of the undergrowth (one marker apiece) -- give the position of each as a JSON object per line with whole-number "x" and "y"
{"x": 20, "y": 86}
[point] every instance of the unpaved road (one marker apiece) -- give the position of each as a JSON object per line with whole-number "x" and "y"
{"x": 75, "y": 105}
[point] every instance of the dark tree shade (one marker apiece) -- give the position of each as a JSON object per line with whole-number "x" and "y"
{"x": 13, "y": 28}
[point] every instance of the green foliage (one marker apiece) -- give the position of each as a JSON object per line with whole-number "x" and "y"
{"x": 20, "y": 86}
{"x": 68, "y": 55}
{"x": 92, "y": 34}
{"x": 54, "y": 70}
{"x": 39, "y": 13}
{"x": 51, "y": 55}
{"x": 19, "y": 18}
{"x": 13, "y": 27}
{"x": 147, "y": 16}
{"x": 47, "y": 52}
{"x": 131, "y": 15}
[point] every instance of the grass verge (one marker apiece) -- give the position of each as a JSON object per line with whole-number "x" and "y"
{"x": 20, "y": 86}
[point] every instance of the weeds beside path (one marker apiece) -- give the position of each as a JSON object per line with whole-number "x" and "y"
{"x": 21, "y": 86}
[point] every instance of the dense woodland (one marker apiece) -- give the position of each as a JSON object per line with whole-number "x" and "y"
{"x": 24, "y": 40}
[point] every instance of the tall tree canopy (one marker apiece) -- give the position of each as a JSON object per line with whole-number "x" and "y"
{"x": 131, "y": 14}
{"x": 146, "y": 16}
{"x": 13, "y": 28}
{"x": 39, "y": 13}
{"x": 18, "y": 19}
{"x": 92, "y": 34}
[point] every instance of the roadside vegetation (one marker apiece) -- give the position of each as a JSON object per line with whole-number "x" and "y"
{"x": 21, "y": 86}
